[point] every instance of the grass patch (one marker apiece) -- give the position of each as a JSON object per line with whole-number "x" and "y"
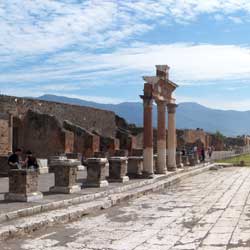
{"x": 237, "y": 159}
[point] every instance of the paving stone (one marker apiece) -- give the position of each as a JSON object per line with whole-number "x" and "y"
{"x": 197, "y": 214}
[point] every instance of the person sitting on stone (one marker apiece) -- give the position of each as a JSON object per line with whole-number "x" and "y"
{"x": 14, "y": 160}
{"x": 30, "y": 161}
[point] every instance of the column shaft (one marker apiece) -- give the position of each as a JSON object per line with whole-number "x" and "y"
{"x": 161, "y": 138}
{"x": 171, "y": 137}
{"x": 148, "y": 156}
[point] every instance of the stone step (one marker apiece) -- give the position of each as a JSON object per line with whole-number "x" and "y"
{"x": 72, "y": 211}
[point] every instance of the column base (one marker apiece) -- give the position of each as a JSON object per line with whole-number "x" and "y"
{"x": 65, "y": 190}
{"x": 172, "y": 169}
{"x": 30, "y": 197}
{"x": 146, "y": 175}
{"x": 103, "y": 183}
{"x": 123, "y": 179}
{"x": 181, "y": 165}
{"x": 161, "y": 171}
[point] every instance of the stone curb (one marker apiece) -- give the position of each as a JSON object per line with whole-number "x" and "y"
{"x": 36, "y": 209}
{"x": 73, "y": 212}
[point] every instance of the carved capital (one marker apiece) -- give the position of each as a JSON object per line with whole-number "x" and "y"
{"x": 147, "y": 101}
{"x": 172, "y": 108}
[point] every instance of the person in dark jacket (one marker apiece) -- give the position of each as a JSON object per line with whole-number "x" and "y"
{"x": 203, "y": 156}
{"x": 30, "y": 161}
{"x": 14, "y": 160}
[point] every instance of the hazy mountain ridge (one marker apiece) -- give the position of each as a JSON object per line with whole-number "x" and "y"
{"x": 188, "y": 115}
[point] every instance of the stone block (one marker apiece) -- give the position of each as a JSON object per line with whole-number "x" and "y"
{"x": 65, "y": 176}
{"x": 121, "y": 152}
{"x": 4, "y": 166}
{"x": 191, "y": 160}
{"x": 97, "y": 172}
{"x": 179, "y": 163}
{"x": 118, "y": 167}
{"x": 185, "y": 160}
{"x": 196, "y": 157}
{"x": 23, "y": 186}
{"x": 43, "y": 166}
{"x": 135, "y": 166}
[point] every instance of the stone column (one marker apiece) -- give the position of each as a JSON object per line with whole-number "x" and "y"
{"x": 10, "y": 133}
{"x": 161, "y": 138}
{"x": 171, "y": 137}
{"x": 148, "y": 157}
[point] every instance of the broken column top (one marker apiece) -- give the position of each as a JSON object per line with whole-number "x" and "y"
{"x": 163, "y": 68}
{"x": 151, "y": 79}
{"x": 162, "y": 71}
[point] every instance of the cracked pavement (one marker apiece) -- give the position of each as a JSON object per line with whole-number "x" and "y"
{"x": 209, "y": 211}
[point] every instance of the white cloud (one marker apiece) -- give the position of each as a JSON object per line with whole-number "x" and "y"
{"x": 190, "y": 64}
{"x": 35, "y": 27}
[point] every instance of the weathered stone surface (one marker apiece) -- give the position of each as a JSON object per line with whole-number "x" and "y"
{"x": 65, "y": 172}
{"x": 118, "y": 167}
{"x": 97, "y": 172}
{"x": 23, "y": 186}
{"x": 182, "y": 217}
{"x": 135, "y": 166}
{"x": 185, "y": 160}
{"x": 191, "y": 160}
{"x": 179, "y": 163}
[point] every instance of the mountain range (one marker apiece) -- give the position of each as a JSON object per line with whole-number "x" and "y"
{"x": 189, "y": 115}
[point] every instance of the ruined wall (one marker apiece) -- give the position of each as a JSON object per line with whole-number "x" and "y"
{"x": 42, "y": 134}
{"x": 84, "y": 142}
{"x": 103, "y": 122}
{"x": 4, "y": 134}
{"x": 190, "y": 136}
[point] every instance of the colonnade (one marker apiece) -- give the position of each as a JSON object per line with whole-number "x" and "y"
{"x": 159, "y": 89}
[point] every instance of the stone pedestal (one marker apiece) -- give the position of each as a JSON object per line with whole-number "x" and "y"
{"x": 179, "y": 163}
{"x": 135, "y": 166}
{"x": 23, "y": 186}
{"x": 118, "y": 167}
{"x": 171, "y": 137}
{"x": 196, "y": 157}
{"x": 65, "y": 172}
{"x": 96, "y": 172}
{"x": 161, "y": 137}
{"x": 191, "y": 160}
{"x": 185, "y": 160}
{"x": 155, "y": 164}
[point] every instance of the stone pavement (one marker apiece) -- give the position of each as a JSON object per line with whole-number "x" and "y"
{"x": 210, "y": 211}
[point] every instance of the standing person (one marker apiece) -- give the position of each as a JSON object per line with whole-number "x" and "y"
{"x": 15, "y": 161}
{"x": 30, "y": 161}
{"x": 203, "y": 154}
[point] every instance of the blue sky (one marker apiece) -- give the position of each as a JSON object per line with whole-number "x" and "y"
{"x": 98, "y": 50}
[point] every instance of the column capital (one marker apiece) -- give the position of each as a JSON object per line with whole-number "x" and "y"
{"x": 160, "y": 102}
{"x": 172, "y": 107}
{"x": 147, "y": 100}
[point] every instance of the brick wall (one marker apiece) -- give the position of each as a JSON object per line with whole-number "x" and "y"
{"x": 4, "y": 134}
{"x": 91, "y": 119}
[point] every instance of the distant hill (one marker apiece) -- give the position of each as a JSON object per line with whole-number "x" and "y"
{"x": 188, "y": 115}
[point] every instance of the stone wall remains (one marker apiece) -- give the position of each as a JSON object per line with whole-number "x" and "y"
{"x": 101, "y": 121}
